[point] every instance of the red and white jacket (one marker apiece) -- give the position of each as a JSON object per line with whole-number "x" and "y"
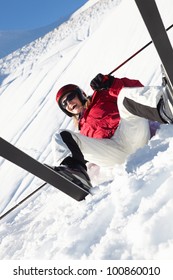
{"x": 101, "y": 118}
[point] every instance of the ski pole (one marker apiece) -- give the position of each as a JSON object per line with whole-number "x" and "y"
{"x": 19, "y": 203}
{"x": 140, "y": 50}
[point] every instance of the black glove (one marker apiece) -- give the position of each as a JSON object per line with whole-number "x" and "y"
{"x": 101, "y": 82}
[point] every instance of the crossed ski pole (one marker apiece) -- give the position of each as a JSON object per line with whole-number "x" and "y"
{"x": 19, "y": 203}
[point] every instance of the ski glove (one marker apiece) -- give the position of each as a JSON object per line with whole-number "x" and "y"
{"x": 101, "y": 82}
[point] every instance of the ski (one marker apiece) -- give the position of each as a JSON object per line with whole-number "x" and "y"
{"x": 70, "y": 185}
{"x": 153, "y": 21}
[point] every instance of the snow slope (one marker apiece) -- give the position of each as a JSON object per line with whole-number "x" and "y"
{"x": 12, "y": 40}
{"x": 129, "y": 214}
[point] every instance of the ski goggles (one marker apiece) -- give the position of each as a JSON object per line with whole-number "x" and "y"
{"x": 69, "y": 98}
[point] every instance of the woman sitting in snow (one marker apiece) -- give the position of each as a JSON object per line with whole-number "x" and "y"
{"x": 113, "y": 122}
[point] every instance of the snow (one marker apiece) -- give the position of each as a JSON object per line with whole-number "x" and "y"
{"x": 128, "y": 216}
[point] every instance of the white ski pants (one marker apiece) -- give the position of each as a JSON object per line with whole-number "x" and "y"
{"x": 133, "y": 133}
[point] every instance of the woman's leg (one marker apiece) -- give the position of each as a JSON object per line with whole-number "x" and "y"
{"x": 66, "y": 151}
{"x": 152, "y": 103}
{"x": 102, "y": 152}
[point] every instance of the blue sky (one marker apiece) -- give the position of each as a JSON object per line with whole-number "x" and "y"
{"x": 31, "y": 14}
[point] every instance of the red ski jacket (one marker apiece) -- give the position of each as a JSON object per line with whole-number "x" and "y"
{"x": 101, "y": 118}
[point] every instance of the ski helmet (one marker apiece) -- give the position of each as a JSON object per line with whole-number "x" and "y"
{"x": 69, "y": 89}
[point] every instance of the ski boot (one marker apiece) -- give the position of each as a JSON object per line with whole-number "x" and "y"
{"x": 167, "y": 109}
{"x": 75, "y": 172}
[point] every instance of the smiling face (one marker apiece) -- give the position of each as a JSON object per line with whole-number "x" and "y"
{"x": 72, "y": 104}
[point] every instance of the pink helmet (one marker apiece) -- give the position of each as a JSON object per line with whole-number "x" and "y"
{"x": 68, "y": 89}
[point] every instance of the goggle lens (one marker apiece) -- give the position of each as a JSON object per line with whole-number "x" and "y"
{"x": 69, "y": 98}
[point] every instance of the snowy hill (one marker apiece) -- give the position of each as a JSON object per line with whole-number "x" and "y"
{"x": 12, "y": 40}
{"x": 129, "y": 214}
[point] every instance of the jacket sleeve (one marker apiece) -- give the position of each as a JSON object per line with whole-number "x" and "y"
{"x": 131, "y": 83}
{"x": 118, "y": 84}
